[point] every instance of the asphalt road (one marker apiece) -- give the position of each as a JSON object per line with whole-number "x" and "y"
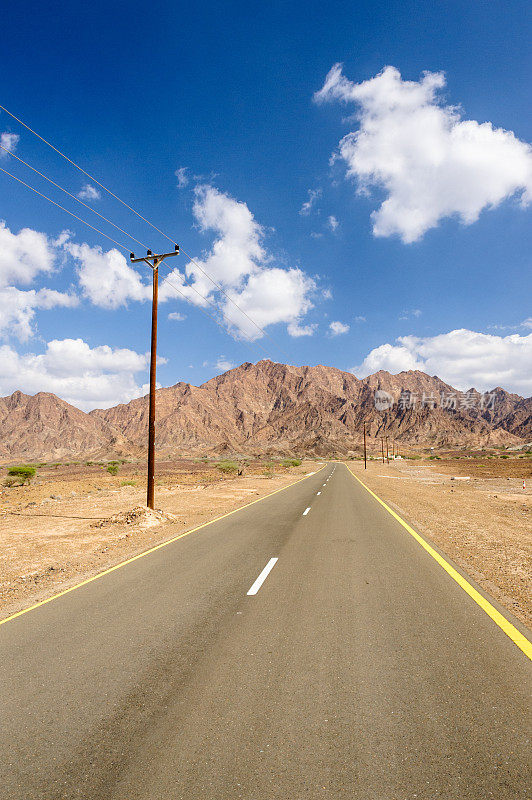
{"x": 357, "y": 669}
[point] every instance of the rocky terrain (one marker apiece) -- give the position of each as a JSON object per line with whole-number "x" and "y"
{"x": 269, "y": 408}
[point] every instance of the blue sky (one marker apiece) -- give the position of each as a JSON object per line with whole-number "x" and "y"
{"x": 228, "y": 93}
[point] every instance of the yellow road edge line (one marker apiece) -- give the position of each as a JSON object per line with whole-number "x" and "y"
{"x": 510, "y": 630}
{"x": 152, "y": 550}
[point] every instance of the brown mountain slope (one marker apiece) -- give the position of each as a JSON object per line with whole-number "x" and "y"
{"x": 44, "y": 426}
{"x": 258, "y": 409}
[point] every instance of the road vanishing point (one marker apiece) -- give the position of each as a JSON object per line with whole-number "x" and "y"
{"x": 310, "y": 645}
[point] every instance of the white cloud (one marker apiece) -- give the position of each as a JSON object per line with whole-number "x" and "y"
{"x": 430, "y": 162}
{"x": 89, "y": 192}
{"x": 240, "y": 264}
{"x": 414, "y": 312}
{"x": 332, "y": 223}
{"x": 17, "y": 309}
{"x": 23, "y": 255}
{"x": 176, "y": 316}
{"x": 106, "y": 278}
{"x": 308, "y": 205}
{"x": 337, "y": 328}
{"x": 461, "y": 357}
{"x": 224, "y": 364}
{"x": 360, "y": 319}
{"x": 9, "y": 142}
{"x": 296, "y": 330}
{"x": 271, "y": 296}
{"x": 86, "y": 377}
{"x": 237, "y": 262}
{"x": 527, "y": 323}
{"x": 182, "y": 177}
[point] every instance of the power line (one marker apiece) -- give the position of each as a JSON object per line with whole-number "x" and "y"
{"x": 170, "y": 239}
{"x": 77, "y": 199}
{"x": 127, "y": 249}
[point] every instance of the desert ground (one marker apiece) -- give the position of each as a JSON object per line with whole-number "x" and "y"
{"x": 75, "y": 520}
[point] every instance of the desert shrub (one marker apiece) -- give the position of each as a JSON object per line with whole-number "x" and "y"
{"x": 112, "y": 469}
{"x": 18, "y": 476}
{"x": 291, "y": 462}
{"x": 504, "y": 455}
{"x": 128, "y": 483}
{"x": 268, "y": 473}
{"x": 227, "y": 467}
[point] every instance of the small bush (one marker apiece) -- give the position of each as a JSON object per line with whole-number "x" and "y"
{"x": 112, "y": 469}
{"x": 227, "y": 467}
{"x": 504, "y": 456}
{"x": 291, "y": 462}
{"x": 128, "y": 483}
{"x": 18, "y": 476}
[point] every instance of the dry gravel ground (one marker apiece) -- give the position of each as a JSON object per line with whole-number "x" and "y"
{"x": 483, "y": 524}
{"x": 75, "y": 520}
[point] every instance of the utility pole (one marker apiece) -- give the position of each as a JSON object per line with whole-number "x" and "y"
{"x": 387, "y": 454}
{"x": 365, "y": 457}
{"x": 382, "y": 448}
{"x": 153, "y": 261}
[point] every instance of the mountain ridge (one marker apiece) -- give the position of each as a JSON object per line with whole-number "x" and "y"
{"x": 268, "y": 408}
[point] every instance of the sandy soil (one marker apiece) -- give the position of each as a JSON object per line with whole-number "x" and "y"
{"x": 76, "y": 520}
{"x": 483, "y": 524}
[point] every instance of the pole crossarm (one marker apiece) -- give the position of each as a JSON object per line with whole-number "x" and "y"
{"x": 153, "y": 259}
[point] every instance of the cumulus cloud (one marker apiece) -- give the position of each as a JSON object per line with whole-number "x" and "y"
{"x": 461, "y": 357}
{"x": 9, "y": 142}
{"x": 337, "y": 328}
{"x": 106, "y": 278}
{"x": 89, "y": 192}
{"x": 332, "y": 223}
{"x": 176, "y": 316}
{"x": 309, "y": 204}
{"x": 271, "y": 296}
{"x": 23, "y": 255}
{"x": 17, "y": 309}
{"x": 182, "y": 177}
{"x": 86, "y": 377}
{"x": 239, "y": 264}
{"x": 429, "y": 162}
{"x": 241, "y": 268}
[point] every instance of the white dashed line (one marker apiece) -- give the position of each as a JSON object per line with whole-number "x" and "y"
{"x": 318, "y": 494}
{"x": 263, "y": 575}
{"x": 305, "y": 512}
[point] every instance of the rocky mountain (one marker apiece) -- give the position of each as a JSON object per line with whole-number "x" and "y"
{"x": 270, "y": 408}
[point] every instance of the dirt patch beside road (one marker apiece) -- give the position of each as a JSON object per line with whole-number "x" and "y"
{"x": 483, "y": 524}
{"x": 77, "y": 520}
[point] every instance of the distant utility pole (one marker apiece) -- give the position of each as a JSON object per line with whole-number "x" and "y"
{"x": 365, "y": 456}
{"x": 382, "y": 448}
{"x": 387, "y": 453}
{"x": 153, "y": 261}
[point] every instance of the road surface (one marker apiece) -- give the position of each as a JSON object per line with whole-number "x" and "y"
{"x": 353, "y": 666}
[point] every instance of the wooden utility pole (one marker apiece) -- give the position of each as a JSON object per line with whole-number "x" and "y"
{"x": 153, "y": 261}
{"x": 382, "y": 448}
{"x": 365, "y": 456}
{"x": 387, "y": 453}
